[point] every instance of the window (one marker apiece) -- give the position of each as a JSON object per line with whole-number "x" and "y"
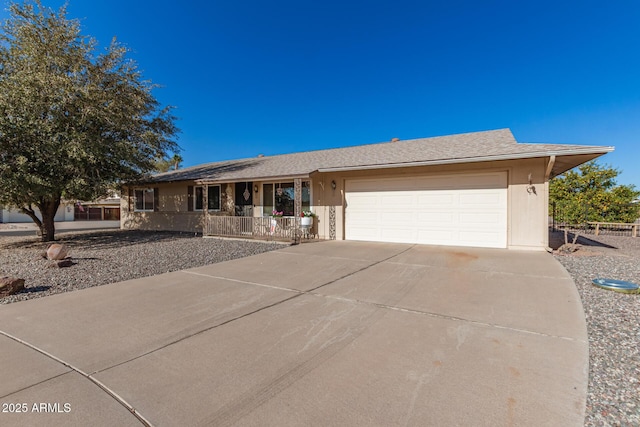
{"x": 283, "y": 198}
{"x": 280, "y": 197}
{"x": 213, "y": 198}
{"x": 306, "y": 195}
{"x": 199, "y": 199}
{"x": 267, "y": 195}
{"x": 144, "y": 199}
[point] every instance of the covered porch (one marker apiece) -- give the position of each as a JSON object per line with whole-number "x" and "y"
{"x": 266, "y": 209}
{"x": 267, "y": 228}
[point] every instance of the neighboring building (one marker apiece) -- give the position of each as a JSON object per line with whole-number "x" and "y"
{"x": 64, "y": 213}
{"x": 107, "y": 209}
{"x": 476, "y": 189}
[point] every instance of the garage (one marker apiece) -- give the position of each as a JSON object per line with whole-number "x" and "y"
{"x": 452, "y": 210}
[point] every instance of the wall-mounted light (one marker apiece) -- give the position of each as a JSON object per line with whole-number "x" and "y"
{"x": 531, "y": 189}
{"x": 255, "y": 188}
{"x": 333, "y": 184}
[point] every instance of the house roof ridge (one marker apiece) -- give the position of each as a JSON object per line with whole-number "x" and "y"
{"x": 399, "y": 141}
{"x": 488, "y": 145}
{"x": 335, "y": 149}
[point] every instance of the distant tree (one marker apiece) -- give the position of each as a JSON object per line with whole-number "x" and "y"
{"x": 172, "y": 163}
{"x": 72, "y": 122}
{"x": 591, "y": 193}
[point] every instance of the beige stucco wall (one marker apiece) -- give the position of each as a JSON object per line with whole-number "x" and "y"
{"x": 527, "y": 210}
{"x": 173, "y": 212}
{"x": 527, "y": 206}
{"x": 324, "y": 200}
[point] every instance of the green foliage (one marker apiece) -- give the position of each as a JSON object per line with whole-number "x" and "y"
{"x": 72, "y": 122}
{"x": 167, "y": 164}
{"x": 590, "y": 193}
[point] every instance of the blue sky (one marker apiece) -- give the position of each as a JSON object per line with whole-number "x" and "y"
{"x": 255, "y": 77}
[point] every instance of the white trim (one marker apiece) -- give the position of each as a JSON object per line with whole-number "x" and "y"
{"x": 439, "y": 209}
{"x": 135, "y": 199}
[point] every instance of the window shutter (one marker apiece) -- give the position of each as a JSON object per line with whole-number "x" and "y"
{"x": 130, "y": 199}
{"x": 190, "y": 198}
{"x": 156, "y": 199}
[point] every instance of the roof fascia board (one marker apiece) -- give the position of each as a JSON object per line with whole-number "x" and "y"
{"x": 261, "y": 179}
{"x": 561, "y": 153}
{"x": 552, "y": 162}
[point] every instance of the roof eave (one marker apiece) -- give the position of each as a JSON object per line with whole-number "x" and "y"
{"x": 597, "y": 151}
{"x": 247, "y": 179}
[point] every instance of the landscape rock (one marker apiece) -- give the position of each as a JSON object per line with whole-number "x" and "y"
{"x": 568, "y": 248}
{"x": 67, "y": 262}
{"x": 57, "y": 252}
{"x": 10, "y": 286}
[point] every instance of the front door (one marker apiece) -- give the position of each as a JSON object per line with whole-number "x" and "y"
{"x": 244, "y": 198}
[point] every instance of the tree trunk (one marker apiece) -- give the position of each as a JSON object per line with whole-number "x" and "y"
{"x": 48, "y": 208}
{"x": 32, "y": 214}
{"x": 47, "y": 229}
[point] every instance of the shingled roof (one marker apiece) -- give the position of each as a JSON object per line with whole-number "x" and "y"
{"x": 461, "y": 148}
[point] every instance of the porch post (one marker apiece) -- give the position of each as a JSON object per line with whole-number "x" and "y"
{"x": 297, "y": 207}
{"x": 297, "y": 198}
{"x": 206, "y": 230}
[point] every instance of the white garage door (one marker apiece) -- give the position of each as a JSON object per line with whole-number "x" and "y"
{"x": 453, "y": 210}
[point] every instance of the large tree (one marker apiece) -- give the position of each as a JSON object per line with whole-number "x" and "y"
{"x": 591, "y": 193}
{"x": 73, "y": 121}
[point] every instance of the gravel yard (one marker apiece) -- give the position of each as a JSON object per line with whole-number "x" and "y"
{"x": 613, "y": 319}
{"x": 613, "y": 324}
{"x": 103, "y": 257}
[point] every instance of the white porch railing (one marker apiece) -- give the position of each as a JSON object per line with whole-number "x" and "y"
{"x": 284, "y": 228}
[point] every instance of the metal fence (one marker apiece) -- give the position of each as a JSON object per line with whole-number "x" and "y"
{"x": 586, "y": 221}
{"x": 270, "y": 228}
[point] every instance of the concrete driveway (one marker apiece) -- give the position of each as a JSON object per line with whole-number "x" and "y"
{"x": 332, "y": 333}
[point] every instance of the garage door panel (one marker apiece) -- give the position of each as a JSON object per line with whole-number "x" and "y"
{"x": 398, "y": 235}
{"x": 396, "y": 201}
{"x": 464, "y": 210}
{"x": 472, "y": 237}
{"x": 436, "y": 198}
{"x": 480, "y": 219}
{"x": 436, "y": 237}
{"x": 363, "y": 200}
{"x": 480, "y": 199}
{"x": 365, "y": 218}
{"x": 436, "y": 217}
{"x": 399, "y": 217}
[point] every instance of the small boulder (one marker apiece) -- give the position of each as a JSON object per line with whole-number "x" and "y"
{"x": 10, "y": 286}
{"x": 57, "y": 252}
{"x": 568, "y": 248}
{"x": 67, "y": 262}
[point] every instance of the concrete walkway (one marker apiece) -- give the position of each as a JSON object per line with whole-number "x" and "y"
{"x": 333, "y": 333}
